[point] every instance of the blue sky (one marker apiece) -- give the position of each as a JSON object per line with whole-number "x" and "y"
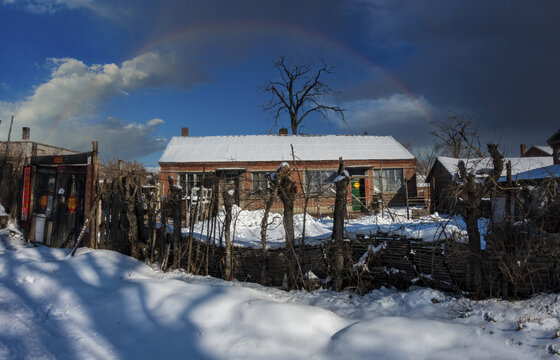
{"x": 130, "y": 74}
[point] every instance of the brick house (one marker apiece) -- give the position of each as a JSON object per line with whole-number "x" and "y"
{"x": 536, "y": 151}
{"x": 554, "y": 143}
{"x": 380, "y": 167}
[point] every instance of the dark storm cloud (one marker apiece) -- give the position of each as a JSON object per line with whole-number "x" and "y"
{"x": 496, "y": 60}
{"x": 319, "y": 14}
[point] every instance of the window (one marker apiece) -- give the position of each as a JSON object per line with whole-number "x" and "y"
{"x": 392, "y": 180}
{"x": 260, "y": 182}
{"x": 319, "y": 181}
{"x": 188, "y": 181}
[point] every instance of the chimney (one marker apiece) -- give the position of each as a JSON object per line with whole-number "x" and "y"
{"x": 185, "y": 131}
{"x": 25, "y": 131}
{"x": 283, "y": 131}
{"x": 523, "y": 149}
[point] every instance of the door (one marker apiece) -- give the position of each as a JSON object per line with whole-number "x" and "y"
{"x": 43, "y": 192}
{"x": 358, "y": 194}
{"x": 68, "y": 207}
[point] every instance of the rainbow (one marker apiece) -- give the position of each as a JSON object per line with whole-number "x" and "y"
{"x": 208, "y": 31}
{"x": 279, "y": 30}
{"x": 67, "y": 112}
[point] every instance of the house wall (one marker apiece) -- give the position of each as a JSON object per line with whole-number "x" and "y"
{"x": 555, "y": 150}
{"x": 554, "y": 142}
{"x": 26, "y": 149}
{"x": 322, "y": 203}
{"x": 441, "y": 189}
{"x": 534, "y": 152}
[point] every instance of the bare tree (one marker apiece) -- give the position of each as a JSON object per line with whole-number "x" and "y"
{"x": 299, "y": 92}
{"x": 457, "y": 136}
{"x": 341, "y": 182}
{"x": 425, "y": 159}
{"x": 470, "y": 192}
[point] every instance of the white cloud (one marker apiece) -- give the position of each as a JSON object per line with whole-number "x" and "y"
{"x": 155, "y": 122}
{"x": 64, "y": 109}
{"x": 396, "y": 109}
{"x": 119, "y": 139}
{"x": 75, "y": 88}
{"x": 404, "y": 117}
{"x": 50, "y": 6}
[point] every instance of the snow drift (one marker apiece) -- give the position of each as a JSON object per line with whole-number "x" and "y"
{"x": 104, "y": 305}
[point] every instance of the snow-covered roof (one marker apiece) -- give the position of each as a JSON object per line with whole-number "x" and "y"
{"x": 518, "y": 164}
{"x": 544, "y": 148}
{"x": 278, "y": 148}
{"x": 536, "y": 174}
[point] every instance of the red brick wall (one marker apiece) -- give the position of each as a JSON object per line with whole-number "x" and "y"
{"x": 408, "y": 166}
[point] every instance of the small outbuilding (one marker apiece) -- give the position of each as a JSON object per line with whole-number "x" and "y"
{"x": 443, "y": 173}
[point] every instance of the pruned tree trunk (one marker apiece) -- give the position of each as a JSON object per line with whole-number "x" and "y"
{"x": 341, "y": 185}
{"x": 228, "y": 194}
{"x": 287, "y": 193}
{"x": 175, "y": 198}
{"x": 130, "y": 195}
{"x": 269, "y": 200}
{"x": 470, "y": 192}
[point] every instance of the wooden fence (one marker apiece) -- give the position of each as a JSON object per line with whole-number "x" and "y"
{"x": 397, "y": 262}
{"x": 127, "y": 217}
{"x": 11, "y": 171}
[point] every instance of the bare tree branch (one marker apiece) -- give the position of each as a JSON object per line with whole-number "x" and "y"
{"x": 457, "y": 136}
{"x": 299, "y": 93}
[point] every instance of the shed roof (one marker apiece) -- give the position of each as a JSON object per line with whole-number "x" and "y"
{"x": 518, "y": 164}
{"x": 544, "y": 148}
{"x": 551, "y": 171}
{"x": 278, "y": 148}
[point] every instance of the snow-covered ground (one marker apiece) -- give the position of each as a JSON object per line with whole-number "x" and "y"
{"x": 246, "y": 227}
{"x": 104, "y": 305}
